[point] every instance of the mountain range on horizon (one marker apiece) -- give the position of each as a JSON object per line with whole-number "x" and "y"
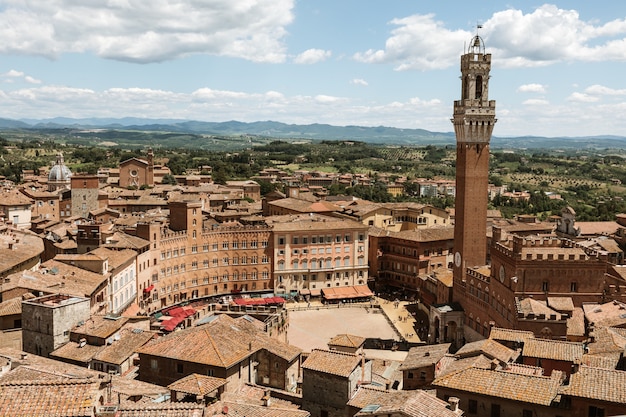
{"x": 272, "y": 129}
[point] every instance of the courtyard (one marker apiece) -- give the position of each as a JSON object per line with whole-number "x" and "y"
{"x": 313, "y": 328}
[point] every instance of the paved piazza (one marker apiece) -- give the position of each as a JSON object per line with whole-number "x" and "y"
{"x": 311, "y": 329}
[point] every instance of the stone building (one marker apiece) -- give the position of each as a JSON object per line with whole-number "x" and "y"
{"x": 121, "y": 266}
{"x": 85, "y": 193}
{"x": 47, "y": 321}
{"x": 525, "y": 269}
{"x": 313, "y": 252}
{"x": 191, "y": 259}
{"x": 135, "y": 172}
{"x": 398, "y": 260}
{"x": 16, "y": 208}
{"x": 231, "y": 349}
{"x": 506, "y": 394}
{"x": 329, "y": 379}
{"x": 45, "y": 204}
{"x": 52, "y": 277}
{"x": 419, "y": 366}
{"x": 396, "y": 217}
{"x": 474, "y": 120}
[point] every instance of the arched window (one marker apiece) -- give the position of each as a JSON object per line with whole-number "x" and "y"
{"x": 479, "y": 87}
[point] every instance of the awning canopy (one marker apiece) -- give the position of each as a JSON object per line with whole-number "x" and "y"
{"x": 178, "y": 315}
{"x": 148, "y": 288}
{"x": 340, "y": 293}
{"x": 259, "y": 301}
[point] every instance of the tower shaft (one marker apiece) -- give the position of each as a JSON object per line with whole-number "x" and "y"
{"x": 474, "y": 119}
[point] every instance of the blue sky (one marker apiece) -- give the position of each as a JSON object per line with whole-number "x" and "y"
{"x": 558, "y": 68}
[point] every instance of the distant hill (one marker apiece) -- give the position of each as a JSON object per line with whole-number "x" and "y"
{"x": 271, "y": 129}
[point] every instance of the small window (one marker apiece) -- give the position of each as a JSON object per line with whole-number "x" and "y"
{"x": 472, "y": 406}
{"x": 595, "y": 411}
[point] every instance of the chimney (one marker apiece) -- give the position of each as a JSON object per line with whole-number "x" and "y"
{"x": 454, "y": 404}
{"x": 266, "y": 398}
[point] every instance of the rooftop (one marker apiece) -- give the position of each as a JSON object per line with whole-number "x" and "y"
{"x": 597, "y": 384}
{"x": 420, "y": 356}
{"x": 553, "y": 349}
{"x": 531, "y": 389}
{"x": 332, "y": 362}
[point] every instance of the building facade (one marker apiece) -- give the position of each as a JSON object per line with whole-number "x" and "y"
{"x": 191, "y": 261}
{"x": 312, "y": 252}
{"x": 47, "y": 321}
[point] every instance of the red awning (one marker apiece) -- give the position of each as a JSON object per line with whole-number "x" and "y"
{"x": 171, "y": 324}
{"x": 149, "y": 288}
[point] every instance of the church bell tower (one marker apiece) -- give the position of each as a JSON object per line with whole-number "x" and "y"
{"x": 474, "y": 119}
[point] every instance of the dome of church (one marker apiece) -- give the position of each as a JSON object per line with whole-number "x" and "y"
{"x": 59, "y": 171}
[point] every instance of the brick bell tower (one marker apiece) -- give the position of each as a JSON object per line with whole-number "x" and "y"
{"x": 474, "y": 118}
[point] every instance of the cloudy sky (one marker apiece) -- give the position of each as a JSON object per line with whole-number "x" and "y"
{"x": 558, "y": 68}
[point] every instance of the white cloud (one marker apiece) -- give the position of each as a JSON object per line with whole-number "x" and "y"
{"x": 419, "y": 42}
{"x": 359, "y": 81}
{"x": 147, "y": 31}
{"x": 13, "y": 75}
{"x": 582, "y": 98}
{"x": 550, "y": 34}
{"x": 321, "y": 98}
{"x": 536, "y": 102}
{"x": 312, "y": 56}
{"x": 601, "y": 90}
{"x": 545, "y": 36}
{"x": 531, "y": 88}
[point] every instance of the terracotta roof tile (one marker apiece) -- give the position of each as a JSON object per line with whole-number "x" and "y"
{"x": 161, "y": 410}
{"x": 561, "y": 303}
{"x": 122, "y": 349}
{"x": 11, "y": 307}
{"x": 347, "y": 340}
{"x": 315, "y": 222}
{"x": 48, "y": 399}
{"x": 415, "y": 403}
{"x": 237, "y": 409}
{"x": 420, "y": 356}
{"x": 608, "y": 314}
{"x": 222, "y": 342}
{"x": 597, "y": 384}
{"x": 100, "y": 326}
{"x": 197, "y": 384}
{"x": 510, "y": 335}
{"x": 331, "y": 362}
{"x": 74, "y": 352}
{"x": 501, "y": 384}
{"x": 450, "y": 364}
{"x": 490, "y": 348}
{"x": 553, "y": 349}
{"x": 576, "y": 323}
